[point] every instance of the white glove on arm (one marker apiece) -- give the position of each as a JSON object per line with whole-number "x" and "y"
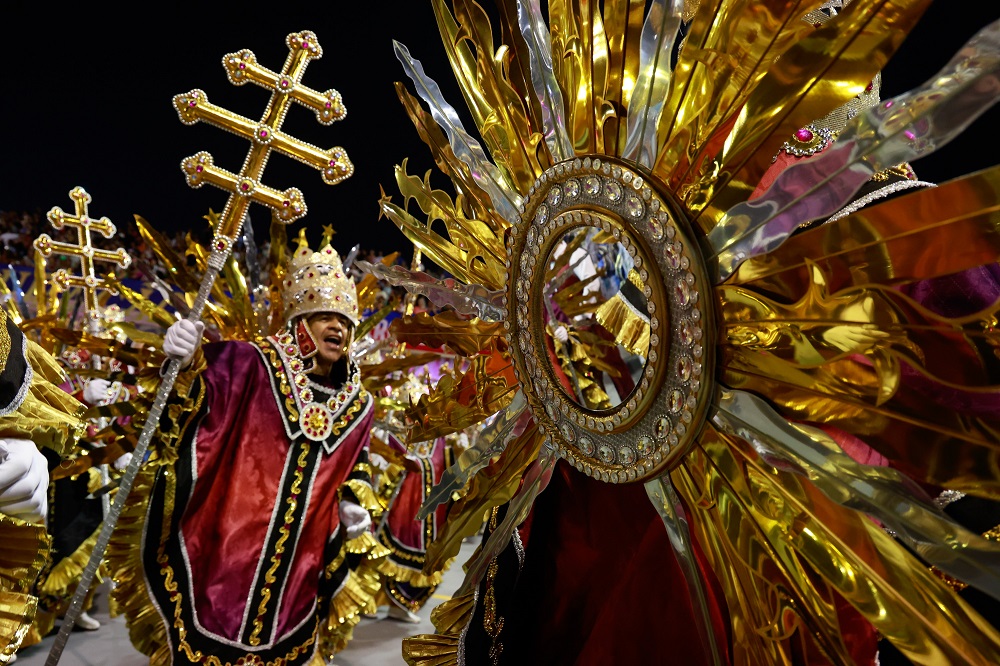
{"x": 182, "y": 339}
{"x": 378, "y": 461}
{"x": 96, "y": 391}
{"x": 122, "y": 461}
{"x": 355, "y": 519}
{"x": 24, "y": 480}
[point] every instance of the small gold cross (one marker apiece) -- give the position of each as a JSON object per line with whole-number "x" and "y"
{"x": 84, "y": 249}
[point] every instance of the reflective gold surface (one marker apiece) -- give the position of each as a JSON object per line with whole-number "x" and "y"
{"x": 817, "y": 327}
{"x": 782, "y": 550}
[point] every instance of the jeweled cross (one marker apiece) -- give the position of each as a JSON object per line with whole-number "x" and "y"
{"x": 265, "y": 136}
{"x": 88, "y": 279}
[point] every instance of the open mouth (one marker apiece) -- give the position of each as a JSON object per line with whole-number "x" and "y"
{"x": 333, "y": 339}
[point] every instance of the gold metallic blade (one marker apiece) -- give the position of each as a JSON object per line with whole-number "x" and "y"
{"x": 623, "y": 28}
{"x": 931, "y": 444}
{"x": 775, "y": 526}
{"x": 444, "y": 157}
{"x": 814, "y": 76}
{"x": 729, "y": 47}
{"x": 893, "y": 242}
{"x": 467, "y": 337}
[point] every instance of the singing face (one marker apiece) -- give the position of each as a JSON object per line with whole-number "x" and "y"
{"x": 331, "y": 331}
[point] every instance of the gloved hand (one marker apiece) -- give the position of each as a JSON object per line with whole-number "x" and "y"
{"x": 561, "y": 334}
{"x": 378, "y": 461}
{"x": 122, "y": 461}
{"x": 355, "y": 519}
{"x": 24, "y": 480}
{"x": 182, "y": 339}
{"x": 96, "y": 391}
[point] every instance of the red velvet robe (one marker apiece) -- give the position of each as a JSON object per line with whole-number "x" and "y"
{"x": 238, "y": 537}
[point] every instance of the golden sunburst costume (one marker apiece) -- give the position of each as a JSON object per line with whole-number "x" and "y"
{"x": 771, "y": 338}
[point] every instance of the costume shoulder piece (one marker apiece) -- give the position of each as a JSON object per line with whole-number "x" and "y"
{"x": 312, "y": 410}
{"x": 15, "y": 375}
{"x": 32, "y": 406}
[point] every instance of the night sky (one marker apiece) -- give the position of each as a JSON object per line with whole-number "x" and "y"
{"x": 87, "y": 101}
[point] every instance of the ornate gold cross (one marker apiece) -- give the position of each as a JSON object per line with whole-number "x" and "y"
{"x": 265, "y": 136}
{"x": 85, "y": 250}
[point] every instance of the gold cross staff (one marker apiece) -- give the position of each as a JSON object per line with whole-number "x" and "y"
{"x": 265, "y": 136}
{"x": 85, "y": 250}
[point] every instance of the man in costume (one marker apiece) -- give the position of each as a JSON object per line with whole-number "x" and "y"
{"x": 261, "y": 489}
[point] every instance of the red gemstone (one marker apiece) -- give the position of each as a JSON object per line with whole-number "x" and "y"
{"x": 804, "y": 135}
{"x": 199, "y": 168}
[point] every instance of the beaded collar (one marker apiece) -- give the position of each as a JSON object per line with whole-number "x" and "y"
{"x": 322, "y": 414}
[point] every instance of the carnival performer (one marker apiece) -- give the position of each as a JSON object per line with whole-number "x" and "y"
{"x": 256, "y": 504}
{"x": 407, "y": 587}
{"x": 34, "y": 413}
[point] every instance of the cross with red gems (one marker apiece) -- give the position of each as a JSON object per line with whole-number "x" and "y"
{"x": 265, "y": 136}
{"x": 84, "y": 249}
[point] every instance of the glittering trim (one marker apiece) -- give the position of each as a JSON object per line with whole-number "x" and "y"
{"x": 947, "y": 497}
{"x": 29, "y": 374}
{"x": 881, "y": 193}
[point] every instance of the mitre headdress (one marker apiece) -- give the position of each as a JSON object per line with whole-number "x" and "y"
{"x": 315, "y": 281}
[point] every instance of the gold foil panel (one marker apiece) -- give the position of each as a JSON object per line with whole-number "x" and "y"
{"x": 784, "y": 550}
{"x": 892, "y": 242}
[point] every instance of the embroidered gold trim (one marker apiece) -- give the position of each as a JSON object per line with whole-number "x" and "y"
{"x": 492, "y": 622}
{"x": 279, "y": 546}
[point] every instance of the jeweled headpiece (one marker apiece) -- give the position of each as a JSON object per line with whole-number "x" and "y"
{"x": 316, "y": 282}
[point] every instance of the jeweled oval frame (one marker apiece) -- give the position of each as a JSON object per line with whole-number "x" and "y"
{"x": 654, "y": 427}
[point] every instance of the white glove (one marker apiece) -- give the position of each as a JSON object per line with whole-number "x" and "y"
{"x": 96, "y": 391}
{"x": 378, "y": 461}
{"x": 182, "y": 339}
{"x": 24, "y": 480}
{"x": 561, "y": 334}
{"x": 122, "y": 461}
{"x": 355, "y": 519}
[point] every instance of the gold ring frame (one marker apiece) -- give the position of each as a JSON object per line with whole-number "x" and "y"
{"x": 653, "y": 428}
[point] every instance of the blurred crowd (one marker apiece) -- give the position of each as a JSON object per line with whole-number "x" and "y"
{"x": 19, "y": 229}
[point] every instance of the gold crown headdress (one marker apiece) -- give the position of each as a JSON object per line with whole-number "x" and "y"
{"x": 316, "y": 282}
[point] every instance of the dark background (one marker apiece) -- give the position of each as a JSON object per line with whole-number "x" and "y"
{"x": 87, "y": 101}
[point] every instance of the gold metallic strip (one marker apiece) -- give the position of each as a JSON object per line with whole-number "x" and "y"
{"x": 892, "y": 242}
